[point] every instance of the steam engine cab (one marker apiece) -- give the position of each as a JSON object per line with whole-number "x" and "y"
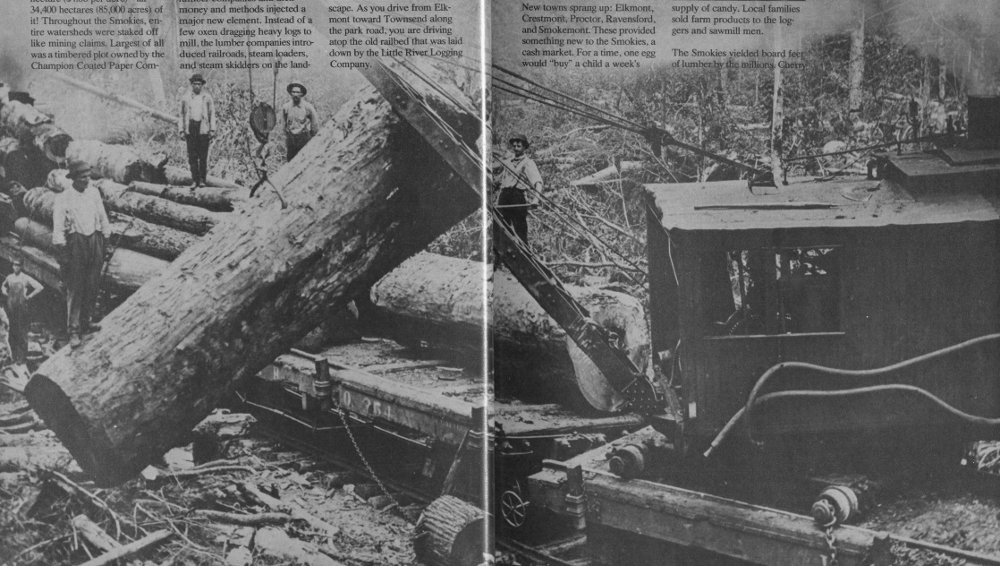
{"x": 853, "y": 275}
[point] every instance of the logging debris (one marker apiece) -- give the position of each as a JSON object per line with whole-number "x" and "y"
{"x": 201, "y": 515}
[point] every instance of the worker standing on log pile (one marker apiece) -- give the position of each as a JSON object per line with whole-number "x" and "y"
{"x": 300, "y": 120}
{"x": 198, "y": 127}
{"x": 518, "y": 176}
{"x": 19, "y": 288}
{"x": 80, "y": 227}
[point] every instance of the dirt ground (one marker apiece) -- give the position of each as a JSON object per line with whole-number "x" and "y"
{"x": 354, "y": 522}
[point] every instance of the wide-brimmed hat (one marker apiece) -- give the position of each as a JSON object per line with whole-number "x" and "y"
{"x": 519, "y": 137}
{"x": 293, "y": 85}
{"x": 78, "y": 170}
{"x": 197, "y": 78}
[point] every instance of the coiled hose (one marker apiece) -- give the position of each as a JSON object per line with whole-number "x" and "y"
{"x": 755, "y": 396}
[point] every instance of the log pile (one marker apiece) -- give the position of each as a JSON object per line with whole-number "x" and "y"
{"x": 152, "y": 222}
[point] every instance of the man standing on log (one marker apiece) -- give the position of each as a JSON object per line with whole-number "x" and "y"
{"x": 300, "y": 120}
{"x": 518, "y": 176}
{"x": 19, "y": 288}
{"x": 198, "y": 127}
{"x": 80, "y": 227}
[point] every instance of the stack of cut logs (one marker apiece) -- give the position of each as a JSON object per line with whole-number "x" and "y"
{"x": 154, "y": 214}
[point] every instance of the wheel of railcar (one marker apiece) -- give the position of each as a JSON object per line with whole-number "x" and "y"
{"x": 451, "y": 532}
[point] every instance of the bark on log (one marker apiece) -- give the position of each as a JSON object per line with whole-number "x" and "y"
{"x": 361, "y": 198}
{"x": 171, "y": 218}
{"x": 182, "y": 177}
{"x": 120, "y": 163}
{"x": 217, "y": 199}
{"x": 184, "y": 217}
{"x": 34, "y": 129}
{"x": 141, "y": 237}
{"x": 437, "y": 299}
{"x": 450, "y": 533}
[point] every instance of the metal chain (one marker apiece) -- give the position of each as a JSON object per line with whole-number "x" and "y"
{"x": 368, "y": 466}
{"x": 830, "y": 559}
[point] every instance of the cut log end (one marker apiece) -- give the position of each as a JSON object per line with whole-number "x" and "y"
{"x": 451, "y": 532}
{"x": 91, "y": 449}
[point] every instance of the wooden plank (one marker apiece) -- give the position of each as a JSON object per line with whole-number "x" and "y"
{"x": 724, "y": 526}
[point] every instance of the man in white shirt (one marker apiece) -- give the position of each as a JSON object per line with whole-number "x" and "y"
{"x": 80, "y": 227}
{"x": 300, "y": 120}
{"x": 197, "y": 125}
{"x": 518, "y": 177}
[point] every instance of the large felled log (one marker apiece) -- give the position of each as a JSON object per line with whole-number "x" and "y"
{"x": 40, "y": 201}
{"x": 184, "y": 217}
{"x": 129, "y": 231}
{"x": 126, "y": 233}
{"x": 438, "y": 299}
{"x": 360, "y": 197}
{"x": 179, "y": 176}
{"x": 218, "y": 199}
{"x": 34, "y": 129}
{"x": 120, "y": 163}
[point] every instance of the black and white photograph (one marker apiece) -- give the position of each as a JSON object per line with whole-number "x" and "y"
{"x": 500, "y": 283}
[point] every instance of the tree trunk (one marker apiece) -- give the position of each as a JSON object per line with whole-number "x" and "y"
{"x": 157, "y": 210}
{"x": 128, "y": 233}
{"x": 182, "y": 177}
{"x": 120, "y": 163}
{"x": 217, "y": 199}
{"x": 856, "y": 71}
{"x": 438, "y": 300}
{"x": 39, "y": 204}
{"x": 362, "y": 197}
{"x": 34, "y": 129}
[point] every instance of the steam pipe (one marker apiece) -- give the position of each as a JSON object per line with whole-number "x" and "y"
{"x": 773, "y": 370}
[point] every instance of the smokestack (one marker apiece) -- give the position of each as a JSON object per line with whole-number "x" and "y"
{"x": 984, "y": 121}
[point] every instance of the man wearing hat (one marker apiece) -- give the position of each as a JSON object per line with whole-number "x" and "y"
{"x": 300, "y": 120}
{"x": 80, "y": 228}
{"x": 518, "y": 176}
{"x": 197, "y": 126}
{"x": 19, "y": 288}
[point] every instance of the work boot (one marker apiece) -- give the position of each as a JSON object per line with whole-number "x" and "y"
{"x": 74, "y": 340}
{"x": 92, "y": 327}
